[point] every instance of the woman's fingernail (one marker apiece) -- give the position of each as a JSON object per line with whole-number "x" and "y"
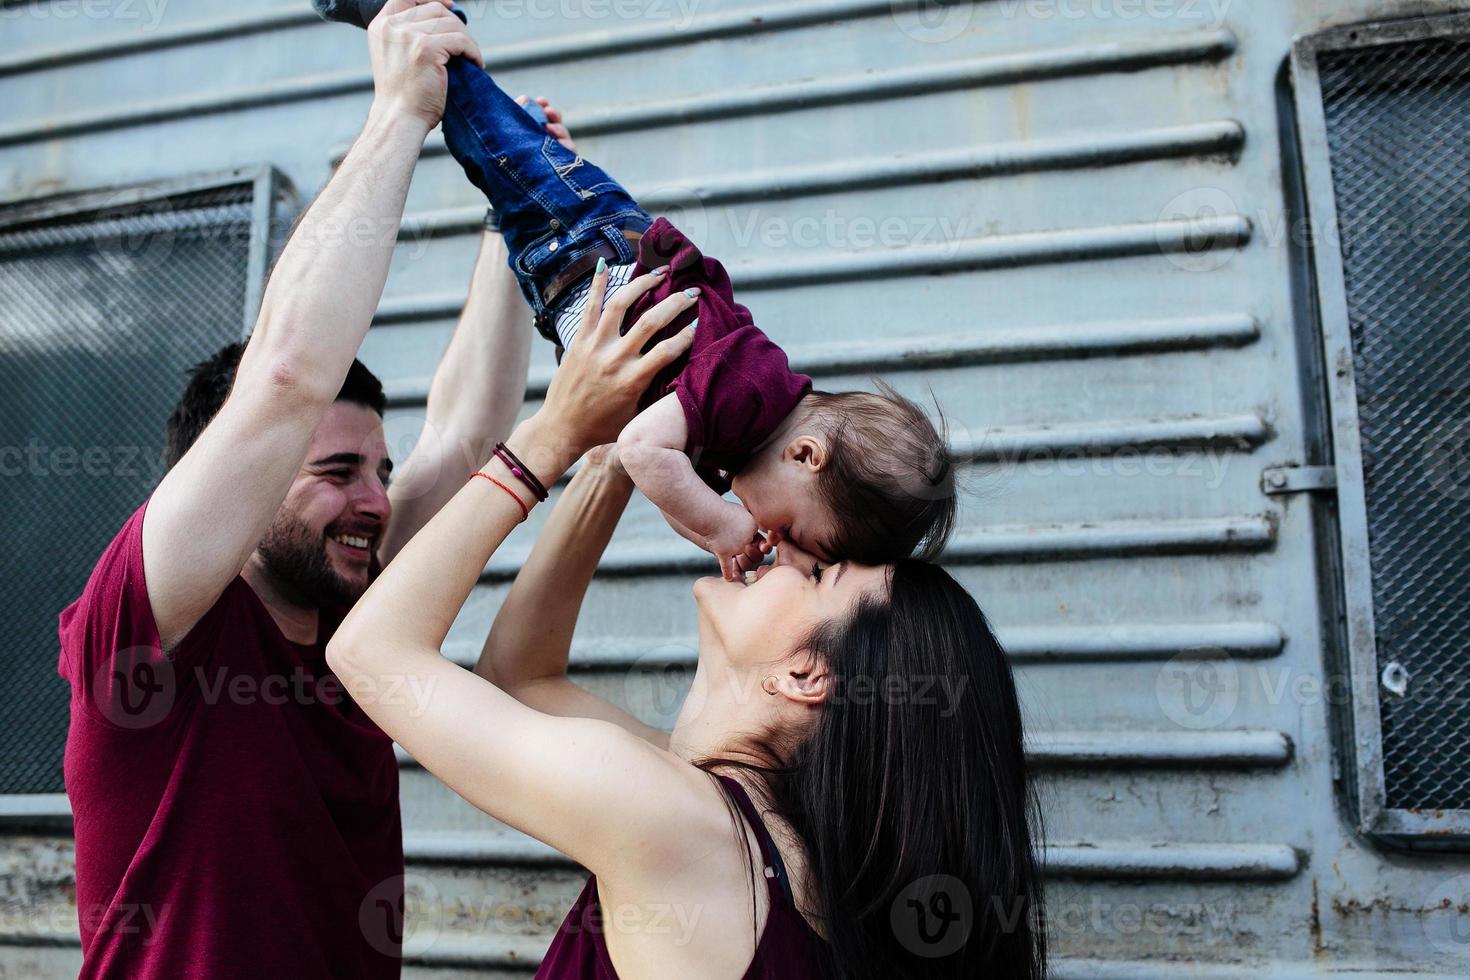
{"x": 692, "y": 292}
{"x": 601, "y": 266}
{"x": 662, "y": 270}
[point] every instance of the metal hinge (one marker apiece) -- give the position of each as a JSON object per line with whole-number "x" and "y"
{"x": 1298, "y": 479}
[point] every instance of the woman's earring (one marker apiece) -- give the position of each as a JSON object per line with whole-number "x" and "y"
{"x": 769, "y": 684}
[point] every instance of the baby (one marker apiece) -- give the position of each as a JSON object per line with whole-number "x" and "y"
{"x": 852, "y": 475}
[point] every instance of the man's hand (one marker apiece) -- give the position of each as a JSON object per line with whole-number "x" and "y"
{"x": 605, "y": 457}
{"x": 411, "y": 42}
{"x": 555, "y": 125}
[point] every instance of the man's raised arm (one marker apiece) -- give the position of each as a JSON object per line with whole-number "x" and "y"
{"x": 475, "y": 396}
{"x": 212, "y": 508}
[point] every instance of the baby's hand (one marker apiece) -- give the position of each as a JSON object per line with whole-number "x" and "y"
{"x": 738, "y": 544}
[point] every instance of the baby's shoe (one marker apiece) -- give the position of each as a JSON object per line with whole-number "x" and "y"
{"x": 358, "y": 13}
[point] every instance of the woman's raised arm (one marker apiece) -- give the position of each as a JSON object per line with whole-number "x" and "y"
{"x": 528, "y": 768}
{"x": 527, "y": 651}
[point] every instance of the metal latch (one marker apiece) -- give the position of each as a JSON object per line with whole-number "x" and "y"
{"x": 1298, "y": 479}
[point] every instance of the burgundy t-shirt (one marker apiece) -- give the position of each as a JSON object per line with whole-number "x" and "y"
{"x": 787, "y": 949}
{"x": 735, "y": 385}
{"x": 236, "y": 812}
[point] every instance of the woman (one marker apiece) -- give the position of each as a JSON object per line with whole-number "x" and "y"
{"x": 852, "y": 732}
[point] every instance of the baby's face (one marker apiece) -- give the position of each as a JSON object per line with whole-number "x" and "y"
{"x": 787, "y": 507}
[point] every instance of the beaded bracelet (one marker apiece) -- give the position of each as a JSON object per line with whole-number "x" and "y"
{"x": 520, "y": 470}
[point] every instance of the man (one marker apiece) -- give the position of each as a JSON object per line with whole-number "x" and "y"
{"x": 236, "y": 813}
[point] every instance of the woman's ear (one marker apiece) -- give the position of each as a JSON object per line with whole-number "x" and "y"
{"x": 809, "y": 451}
{"x": 805, "y": 684}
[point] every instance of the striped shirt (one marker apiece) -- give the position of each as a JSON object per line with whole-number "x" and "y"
{"x": 574, "y": 304}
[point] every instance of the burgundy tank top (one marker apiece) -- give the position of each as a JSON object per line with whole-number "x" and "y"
{"x": 788, "y": 948}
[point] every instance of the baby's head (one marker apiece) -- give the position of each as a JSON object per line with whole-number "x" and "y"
{"x": 854, "y": 475}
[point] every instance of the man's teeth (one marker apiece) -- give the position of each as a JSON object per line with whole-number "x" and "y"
{"x": 750, "y": 578}
{"x": 352, "y": 541}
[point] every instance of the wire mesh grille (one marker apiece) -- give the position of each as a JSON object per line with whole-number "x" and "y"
{"x": 1398, "y": 122}
{"x": 100, "y": 314}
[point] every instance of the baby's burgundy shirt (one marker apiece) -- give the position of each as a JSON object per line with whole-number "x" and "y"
{"x": 735, "y": 384}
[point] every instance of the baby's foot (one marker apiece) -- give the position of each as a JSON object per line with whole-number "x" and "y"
{"x": 358, "y": 13}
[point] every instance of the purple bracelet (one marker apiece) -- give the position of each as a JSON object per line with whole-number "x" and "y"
{"x": 520, "y": 470}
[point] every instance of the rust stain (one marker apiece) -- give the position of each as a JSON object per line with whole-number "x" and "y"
{"x": 1352, "y": 907}
{"x": 1317, "y": 946}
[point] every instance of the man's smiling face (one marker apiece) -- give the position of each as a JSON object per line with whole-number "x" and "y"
{"x": 319, "y": 548}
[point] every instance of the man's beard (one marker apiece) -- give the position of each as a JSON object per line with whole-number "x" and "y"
{"x": 296, "y": 557}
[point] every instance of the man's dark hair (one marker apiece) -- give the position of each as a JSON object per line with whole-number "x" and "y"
{"x": 209, "y": 385}
{"x": 889, "y": 480}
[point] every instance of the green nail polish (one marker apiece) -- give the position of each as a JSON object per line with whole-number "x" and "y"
{"x": 601, "y": 264}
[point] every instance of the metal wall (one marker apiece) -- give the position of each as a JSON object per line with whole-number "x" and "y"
{"x": 1066, "y": 220}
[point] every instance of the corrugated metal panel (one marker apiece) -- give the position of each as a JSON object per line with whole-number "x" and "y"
{"x": 69, "y": 343}
{"x": 1070, "y": 229}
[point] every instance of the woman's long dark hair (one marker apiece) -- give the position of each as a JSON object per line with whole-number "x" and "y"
{"x": 911, "y": 794}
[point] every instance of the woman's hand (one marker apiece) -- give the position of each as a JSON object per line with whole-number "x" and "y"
{"x": 595, "y": 392}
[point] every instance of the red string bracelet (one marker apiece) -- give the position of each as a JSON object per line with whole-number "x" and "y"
{"x": 525, "y": 511}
